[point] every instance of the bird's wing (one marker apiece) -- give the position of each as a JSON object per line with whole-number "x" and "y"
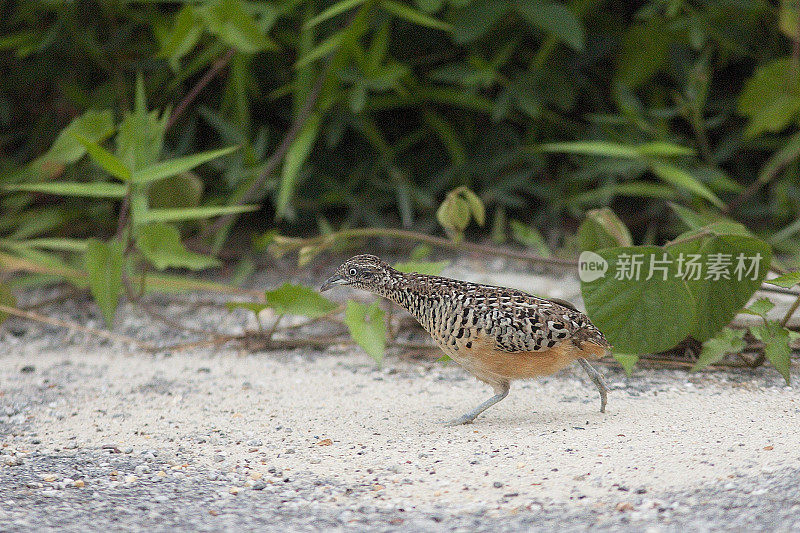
{"x": 520, "y": 322}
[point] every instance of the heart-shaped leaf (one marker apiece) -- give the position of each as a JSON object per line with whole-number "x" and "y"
{"x": 722, "y": 272}
{"x": 630, "y": 302}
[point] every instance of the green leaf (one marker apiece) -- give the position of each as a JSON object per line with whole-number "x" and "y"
{"x": 178, "y": 165}
{"x": 103, "y": 263}
{"x": 453, "y": 215}
{"x": 743, "y": 259}
{"x": 694, "y": 219}
{"x": 770, "y": 98}
{"x": 320, "y": 50}
{"x": 105, "y": 159}
{"x": 182, "y": 38}
{"x": 554, "y": 19}
{"x": 141, "y": 133}
{"x": 98, "y": 189}
{"x": 430, "y": 268}
{"x": 474, "y": 20}
{"x": 530, "y": 237}
{"x": 596, "y": 148}
{"x": 183, "y": 190}
{"x": 643, "y": 53}
{"x": 294, "y": 160}
{"x": 335, "y": 9}
{"x": 56, "y": 243}
{"x": 631, "y": 310}
{"x": 476, "y": 207}
{"x": 786, "y": 281}
{"x": 776, "y": 346}
{"x": 155, "y": 282}
{"x": 230, "y": 22}
{"x": 683, "y": 179}
{"x": 367, "y": 326}
{"x": 664, "y": 149}
{"x": 760, "y": 307}
{"x": 291, "y": 299}
{"x": 413, "y": 16}
{"x": 603, "y": 229}
{"x": 627, "y": 362}
{"x": 6, "y": 298}
{"x": 93, "y": 125}
{"x": 780, "y": 158}
{"x": 727, "y": 341}
{"x": 192, "y": 213}
{"x": 161, "y": 245}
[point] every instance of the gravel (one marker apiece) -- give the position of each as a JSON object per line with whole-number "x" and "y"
{"x": 95, "y": 435}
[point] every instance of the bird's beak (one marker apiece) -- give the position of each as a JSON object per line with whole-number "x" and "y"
{"x": 336, "y": 279}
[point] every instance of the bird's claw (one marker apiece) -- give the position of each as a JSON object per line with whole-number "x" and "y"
{"x": 460, "y": 421}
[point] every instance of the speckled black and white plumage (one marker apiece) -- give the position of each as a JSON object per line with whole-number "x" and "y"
{"x": 497, "y": 334}
{"x": 454, "y": 312}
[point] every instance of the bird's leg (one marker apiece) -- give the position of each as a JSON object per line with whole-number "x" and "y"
{"x": 501, "y": 391}
{"x": 595, "y": 376}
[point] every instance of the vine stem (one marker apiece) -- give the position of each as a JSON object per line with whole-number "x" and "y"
{"x": 790, "y": 312}
{"x": 36, "y": 317}
{"x": 325, "y": 241}
{"x": 201, "y": 84}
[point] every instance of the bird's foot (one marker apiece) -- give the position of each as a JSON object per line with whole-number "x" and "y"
{"x": 460, "y": 421}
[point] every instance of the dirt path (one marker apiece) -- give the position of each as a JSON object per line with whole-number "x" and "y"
{"x": 353, "y": 445}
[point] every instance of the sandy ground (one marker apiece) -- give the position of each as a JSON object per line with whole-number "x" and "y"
{"x": 335, "y": 417}
{"x": 95, "y": 436}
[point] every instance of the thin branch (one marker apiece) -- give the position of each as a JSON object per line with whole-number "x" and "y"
{"x": 210, "y": 74}
{"x": 75, "y": 326}
{"x": 790, "y": 312}
{"x": 327, "y": 240}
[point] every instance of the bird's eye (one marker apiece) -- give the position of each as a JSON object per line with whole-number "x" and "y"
{"x": 353, "y": 272}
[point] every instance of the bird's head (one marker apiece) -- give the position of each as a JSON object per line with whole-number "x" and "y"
{"x": 362, "y": 271}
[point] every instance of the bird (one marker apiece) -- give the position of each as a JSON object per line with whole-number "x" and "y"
{"x": 496, "y": 333}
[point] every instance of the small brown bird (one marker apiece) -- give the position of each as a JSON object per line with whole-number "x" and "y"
{"x": 497, "y": 334}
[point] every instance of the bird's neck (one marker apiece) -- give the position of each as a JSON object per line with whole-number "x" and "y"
{"x": 406, "y": 290}
{"x": 395, "y": 286}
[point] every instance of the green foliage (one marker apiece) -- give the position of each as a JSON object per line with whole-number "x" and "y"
{"x": 459, "y": 207}
{"x": 367, "y": 325}
{"x": 161, "y": 245}
{"x": 535, "y": 111}
{"x": 430, "y": 268}
{"x": 103, "y": 262}
{"x": 144, "y": 232}
{"x": 631, "y": 312}
{"x": 776, "y": 346}
{"x": 6, "y": 298}
{"x": 787, "y": 280}
{"x": 717, "y": 299}
{"x": 634, "y": 106}
{"x": 603, "y": 229}
{"x": 650, "y": 298}
{"x": 530, "y": 237}
{"x": 298, "y": 300}
{"x": 726, "y": 341}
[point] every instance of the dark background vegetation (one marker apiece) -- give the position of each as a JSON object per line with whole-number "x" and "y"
{"x": 427, "y": 116}
{"x": 417, "y": 98}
